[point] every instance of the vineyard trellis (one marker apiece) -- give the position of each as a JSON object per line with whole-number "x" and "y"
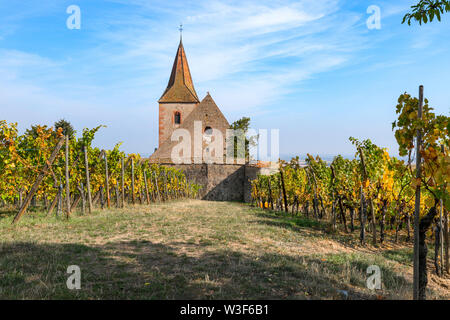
{"x": 383, "y": 190}
{"x": 36, "y": 165}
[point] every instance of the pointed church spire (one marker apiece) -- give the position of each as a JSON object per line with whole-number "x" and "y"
{"x": 180, "y": 87}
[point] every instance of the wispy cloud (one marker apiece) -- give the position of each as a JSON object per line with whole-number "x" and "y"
{"x": 241, "y": 44}
{"x": 249, "y": 54}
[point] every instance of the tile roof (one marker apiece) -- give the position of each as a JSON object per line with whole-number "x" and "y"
{"x": 180, "y": 87}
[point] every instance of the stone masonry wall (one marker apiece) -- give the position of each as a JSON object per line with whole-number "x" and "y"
{"x": 166, "y": 117}
{"x": 221, "y": 182}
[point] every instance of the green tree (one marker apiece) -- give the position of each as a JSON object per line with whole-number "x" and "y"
{"x": 243, "y": 124}
{"x": 67, "y": 128}
{"x": 426, "y": 10}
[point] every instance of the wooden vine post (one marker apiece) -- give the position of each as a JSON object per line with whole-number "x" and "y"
{"x": 284, "y": 191}
{"x": 333, "y": 205}
{"x": 374, "y": 223}
{"x": 20, "y": 197}
{"x": 417, "y": 271}
{"x": 75, "y": 202}
{"x": 88, "y": 183}
{"x": 117, "y": 195}
{"x": 177, "y": 188}
{"x": 146, "y": 187}
{"x": 52, "y": 206}
{"x": 122, "y": 176}
{"x": 157, "y": 187}
{"x": 132, "y": 181}
{"x": 315, "y": 200}
{"x": 166, "y": 195}
{"x": 270, "y": 193}
{"x": 446, "y": 242}
{"x": 39, "y": 179}
{"x": 102, "y": 201}
{"x": 444, "y": 233}
{"x": 362, "y": 218}
{"x": 83, "y": 197}
{"x": 67, "y": 178}
{"x": 441, "y": 234}
{"x": 60, "y": 202}
{"x": 108, "y": 199}
{"x": 169, "y": 179}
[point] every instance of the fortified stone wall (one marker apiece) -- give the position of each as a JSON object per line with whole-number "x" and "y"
{"x": 221, "y": 182}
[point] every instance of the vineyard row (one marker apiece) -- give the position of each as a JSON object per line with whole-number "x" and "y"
{"x": 36, "y": 168}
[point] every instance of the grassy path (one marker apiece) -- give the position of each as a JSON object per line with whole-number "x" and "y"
{"x": 195, "y": 250}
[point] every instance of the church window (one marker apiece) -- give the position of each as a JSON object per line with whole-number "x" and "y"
{"x": 177, "y": 118}
{"x": 208, "y": 131}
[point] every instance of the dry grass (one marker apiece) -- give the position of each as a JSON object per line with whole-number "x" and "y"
{"x": 195, "y": 250}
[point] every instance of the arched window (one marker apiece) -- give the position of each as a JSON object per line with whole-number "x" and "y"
{"x": 177, "y": 118}
{"x": 208, "y": 131}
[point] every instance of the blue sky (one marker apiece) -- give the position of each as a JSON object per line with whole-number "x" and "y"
{"x": 309, "y": 68}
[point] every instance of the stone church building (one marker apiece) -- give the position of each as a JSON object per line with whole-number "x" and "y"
{"x": 180, "y": 108}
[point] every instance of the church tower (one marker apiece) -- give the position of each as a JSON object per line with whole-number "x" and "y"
{"x": 179, "y": 99}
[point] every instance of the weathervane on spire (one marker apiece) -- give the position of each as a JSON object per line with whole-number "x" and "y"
{"x": 181, "y": 31}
